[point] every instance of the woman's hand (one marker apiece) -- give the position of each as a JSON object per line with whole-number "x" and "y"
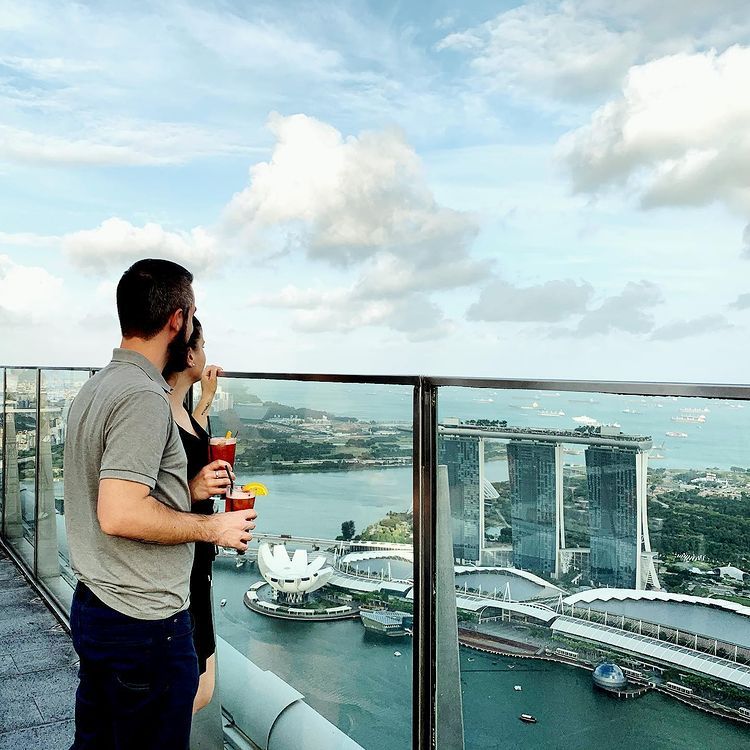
{"x": 212, "y": 479}
{"x": 209, "y": 381}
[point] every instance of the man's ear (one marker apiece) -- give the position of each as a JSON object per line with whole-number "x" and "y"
{"x": 176, "y": 319}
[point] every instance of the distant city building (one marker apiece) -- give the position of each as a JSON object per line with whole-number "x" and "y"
{"x": 535, "y": 471}
{"x": 223, "y": 401}
{"x": 620, "y": 552}
{"x": 609, "y": 676}
{"x": 620, "y": 548}
{"x": 575, "y": 558}
{"x": 292, "y": 579}
{"x": 464, "y": 457}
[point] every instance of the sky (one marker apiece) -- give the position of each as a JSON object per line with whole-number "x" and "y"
{"x": 546, "y": 189}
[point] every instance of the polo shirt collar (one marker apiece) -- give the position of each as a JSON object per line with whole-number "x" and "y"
{"x": 135, "y": 358}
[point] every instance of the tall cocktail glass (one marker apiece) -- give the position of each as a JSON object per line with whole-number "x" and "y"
{"x": 223, "y": 449}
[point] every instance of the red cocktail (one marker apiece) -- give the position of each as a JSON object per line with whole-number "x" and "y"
{"x": 239, "y": 500}
{"x": 223, "y": 449}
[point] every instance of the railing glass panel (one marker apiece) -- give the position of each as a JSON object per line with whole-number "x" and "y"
{"x": 2, "y": 447}
{"x": 57, "y": 390}
{"x": 592, "y": 528}
{"x": 336, "y": 459}
{"x": 19, "y": 519}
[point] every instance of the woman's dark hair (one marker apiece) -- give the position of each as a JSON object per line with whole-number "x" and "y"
{"x": 148, "y": 294}
{"x": 197, "y": 330}
{"x": 173, "y": 368}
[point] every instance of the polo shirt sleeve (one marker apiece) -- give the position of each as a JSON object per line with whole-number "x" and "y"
{"x": 135, "y": 436}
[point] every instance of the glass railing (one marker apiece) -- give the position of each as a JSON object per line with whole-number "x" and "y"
{"x": 57, "y": 390}
{"x": 439, "y": 564}
{"x": 21, "y": 415}
{"x": 336, "y": 459}
{"x": 593, "y": 529}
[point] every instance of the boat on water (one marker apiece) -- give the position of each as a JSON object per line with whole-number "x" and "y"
{"x": 528, "y": 718}
{"x": 545, "y": 413}
{"x": 705, "y": 410}
{"x": 676, "y": 434}
{"x": 385, "y": 622}
{"x": 691, "y": 418}
{"x": 517, "y": 688}
{"x": 534, "y": 405}
{"x": 583, "y": 419}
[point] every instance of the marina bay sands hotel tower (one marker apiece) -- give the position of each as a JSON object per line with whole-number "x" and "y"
{"x": 616, "y": 469}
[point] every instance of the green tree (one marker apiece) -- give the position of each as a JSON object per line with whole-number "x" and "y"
{"x": 347, "y": 530}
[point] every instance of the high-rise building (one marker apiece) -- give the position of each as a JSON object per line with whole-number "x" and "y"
{"x": 464, "y": 457}
{"x": 616, "y": 466}
{"x": 535, "y": 471}
{"x": 614, "y": 515}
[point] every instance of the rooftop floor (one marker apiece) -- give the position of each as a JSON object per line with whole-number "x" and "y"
{"x": 38, "y": 668}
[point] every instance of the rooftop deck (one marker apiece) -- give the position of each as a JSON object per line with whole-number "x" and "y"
{"x": 38, "y": 668}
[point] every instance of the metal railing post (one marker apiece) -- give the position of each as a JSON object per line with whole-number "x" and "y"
{"x": 37, "y": 454}
{"x": 2, "y": 457}
{"x": 425, "y": 462}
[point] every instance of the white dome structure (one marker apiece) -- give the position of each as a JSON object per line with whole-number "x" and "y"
{"x": 293, "y": 577}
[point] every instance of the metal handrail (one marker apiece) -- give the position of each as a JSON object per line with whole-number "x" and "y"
{"x": 732, "y": 391}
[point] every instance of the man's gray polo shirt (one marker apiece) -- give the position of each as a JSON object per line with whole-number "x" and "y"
{"x": 120, "y": 426}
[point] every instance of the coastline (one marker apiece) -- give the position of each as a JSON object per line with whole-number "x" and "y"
{"x": 486, "y": 647}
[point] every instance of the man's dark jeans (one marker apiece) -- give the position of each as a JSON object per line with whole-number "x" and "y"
{"x": 138, "y": 678}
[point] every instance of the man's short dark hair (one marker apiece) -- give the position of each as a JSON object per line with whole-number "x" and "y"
{"x": 148, "y": 294}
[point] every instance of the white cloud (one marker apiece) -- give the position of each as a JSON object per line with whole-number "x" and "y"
{"x": 345, "y": 309}
{"x": 742, "y": 302}
{"x": 678, "y": 133}
{"x": 682, "y": 329}
{"x": 28, "y": 239}
{"x": 117, "y": 143}
{"x": 552, "y": 301}
{"x": 256, "y": 45}
{"x": 116, "y": 243}
{"x": 444, "y": 22}
{"x": 348, "y": 199}
{"x": 357, "y": 203}
{"x": 49, "y": 67}
{"x": 547, "y": 49}
{"x": 27, "y": 293}
{"x": 576, "y": 49}
{"x": 628, "y": 311}
{"x": 389, "y": 275}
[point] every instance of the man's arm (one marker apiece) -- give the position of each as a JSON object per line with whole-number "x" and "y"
{"x": 127, "y": 509}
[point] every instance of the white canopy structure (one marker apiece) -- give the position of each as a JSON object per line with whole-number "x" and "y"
{"x": 295, "y": 577}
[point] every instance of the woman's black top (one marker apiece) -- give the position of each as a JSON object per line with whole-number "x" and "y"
{"x": 196, "y": 450}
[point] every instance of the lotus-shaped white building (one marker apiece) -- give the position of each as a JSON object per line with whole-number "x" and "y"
{"x": 292, "y": 579}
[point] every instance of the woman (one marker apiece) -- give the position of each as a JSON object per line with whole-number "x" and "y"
{"x": 205, "y": 479}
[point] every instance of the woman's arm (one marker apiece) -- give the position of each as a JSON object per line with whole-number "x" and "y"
{"x": 209, "y": 381}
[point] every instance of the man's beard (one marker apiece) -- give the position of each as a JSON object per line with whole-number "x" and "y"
{"x": 177, "y": 350}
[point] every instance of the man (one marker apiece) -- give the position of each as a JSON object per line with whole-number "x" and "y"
{"x": 130, "y": 531}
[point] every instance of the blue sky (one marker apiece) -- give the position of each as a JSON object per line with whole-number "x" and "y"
{"x": 541, "y": 189}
